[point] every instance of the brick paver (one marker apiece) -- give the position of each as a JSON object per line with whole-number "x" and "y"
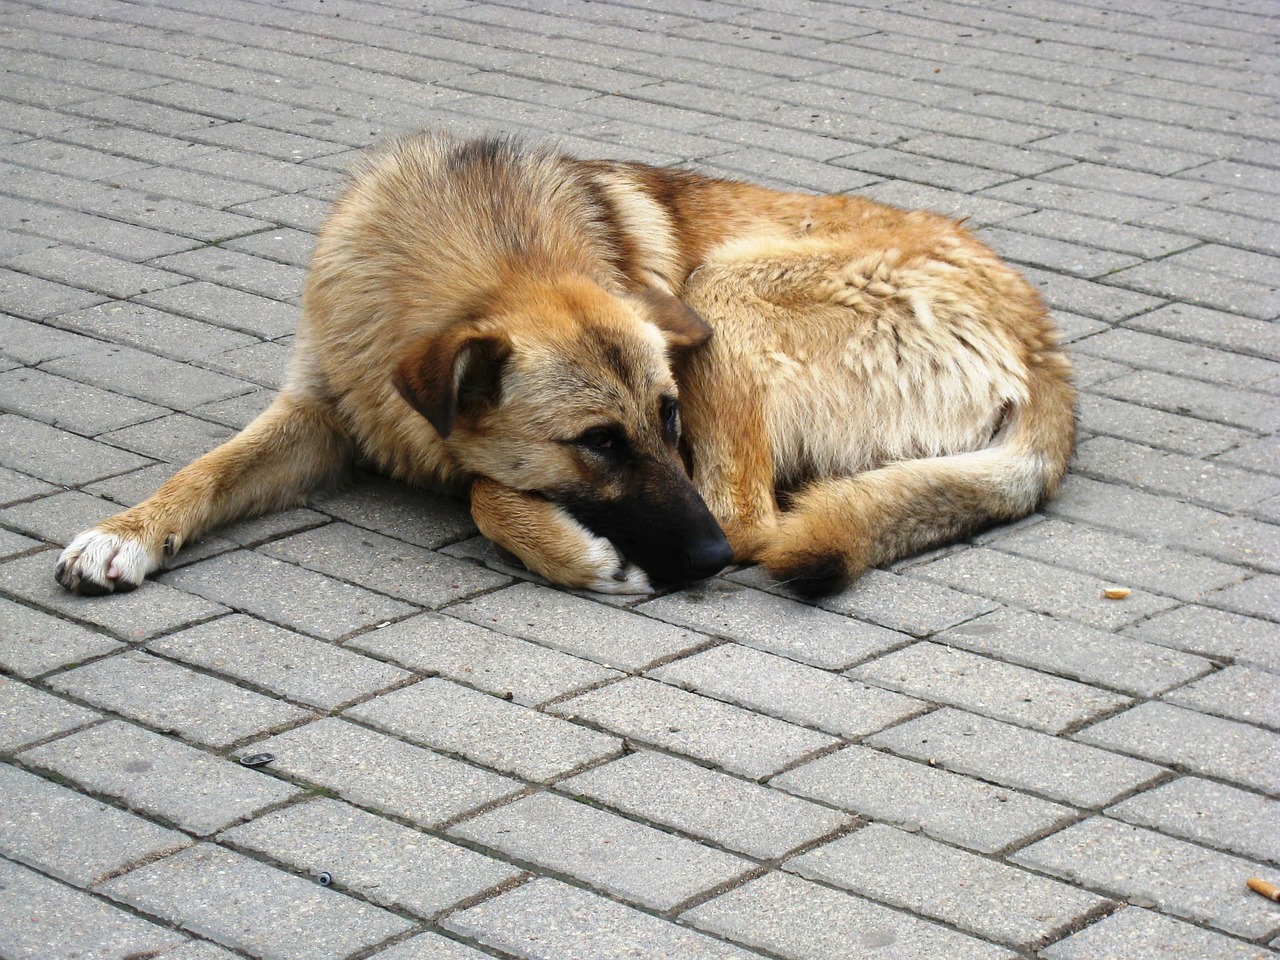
{"x": 971, "y": 755}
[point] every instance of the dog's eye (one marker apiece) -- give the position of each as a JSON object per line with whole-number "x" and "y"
{"x": 603, "y": 440}
{"x": 670, "y": 413}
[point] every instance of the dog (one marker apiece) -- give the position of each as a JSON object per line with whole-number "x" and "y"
{"x": 640, "y": 375}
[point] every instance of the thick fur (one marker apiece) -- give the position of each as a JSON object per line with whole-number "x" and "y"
{"x": 856, "y": 383}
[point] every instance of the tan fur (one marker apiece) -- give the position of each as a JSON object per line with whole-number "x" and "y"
{"x": 878, "y": 381}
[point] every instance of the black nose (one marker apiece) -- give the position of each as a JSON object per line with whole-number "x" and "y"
{"x": 708, "y": 556}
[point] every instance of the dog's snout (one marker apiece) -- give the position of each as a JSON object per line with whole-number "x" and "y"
{"x": 708, "y": 557}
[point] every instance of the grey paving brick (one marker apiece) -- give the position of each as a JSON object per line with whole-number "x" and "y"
{"x": 58, "y": 518}
{"x": 621, "y": 857}
{"x": 1003, "y": 691}
{"x": 29, "y": 715}
{"x": 1094, "y": 231}
{"x": 130, "y": 616}
{"x": 172, "y": 698}
{"x": 578, "y": 626}
{"x": 905, "y": 604}
{"x": 59, "y": 457}
{"x": 285, "y": 663}
{"x": 1256, "y": 597}
{"x": 434, "y": 644}
{"x": 1214, "y": 633}
{"x": 1236, "y": 692}
{"x": 1136, "y": 156}
{"x": 1211, "y": 484}
{"x": 1193, "y": 742}
{"x": 156, "y": 331}
{"x": 1212, "y": 328}
{"x": 1247, "y": 409}
{"x": 1258, "y": 455}
{"x": 788, "y": 690}
{"x": 1238, "y": 540}
{"x": 1174, "y": 281}
{"x": 430, "y": 946}
{"x": 547, "y": 918}
{"x": 187, "y": 787}
{"x": 383, "y": 773}
{"x": 1094, "y": 203}
{"x": 1215, "y": 226}
{"x": 41, "y": 919}
{"x": 1016, "y": 757}
{"x": 266, "y": 363}
{"x": 1137, "y": 932}
{"x": 776, "y": 624}
{"x": 1208, "y": 813}
{"x": 88, "y": 270}
{"x": 205, "y": 888}
{"x": 485, "y": 729}
{"x": 1073, "y": 258}
{"x": 977, "y": 211}
{"x": 389, "y": 864}
{"x": 286, "y": 245}
{"x": 415, "y": 516}
{"x": 134, "y": 373}
{"x": 977, "y": 895}
{"x": 1089, "y": 298}
{"x": 1135, "y": 512}
{"x": 13, "y": 544}
{"x": 61, "y": 402}
{"x": 33, "y": 642}
{"x": 37, "y": 299}
{"x": 946, "y": 805}
{"x": 71, "y": 836}
{"x": 1174, "y": 356}
{"x": 237, "y": 270}
{"x": 704, "y": 803}
{"x": 287, "y": 595}
{"x": 237, "y": 412}
{"x": 380, "y": 563}
{"x": 16, "y": 486}
{"x": 1078, "y": 652}
{"x": 801, "y": 920}
{"x": 725, "y": 736}
{"x": 1181, "y": 878}
{"x": 228, "y": 308}
{"x": 1168, "y": 429}
{"x": 1088, "y": 371}
{"x": 1096, "y": 176}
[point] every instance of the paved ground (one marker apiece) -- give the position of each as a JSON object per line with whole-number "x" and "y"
{"x": 973, "y": 755}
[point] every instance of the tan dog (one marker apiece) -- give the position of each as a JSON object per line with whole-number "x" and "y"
{"x": 516, "y": 324}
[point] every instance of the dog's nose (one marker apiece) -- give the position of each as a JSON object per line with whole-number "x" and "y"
{"x": 708, "y": 557}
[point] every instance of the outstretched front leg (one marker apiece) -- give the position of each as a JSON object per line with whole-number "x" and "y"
{"x": 550, "y": 542}
{"x": 293, "y": 446}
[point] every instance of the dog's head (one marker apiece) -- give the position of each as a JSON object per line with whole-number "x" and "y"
{"x": 565, "y": 390}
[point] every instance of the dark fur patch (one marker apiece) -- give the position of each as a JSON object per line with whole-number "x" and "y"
{"x": 815, "y": 576}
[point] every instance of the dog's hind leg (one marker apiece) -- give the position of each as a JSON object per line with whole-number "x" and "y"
{"x": 294, "y": 445}
{"x": 839, "y": 526}
{"x": 550, "y": 542}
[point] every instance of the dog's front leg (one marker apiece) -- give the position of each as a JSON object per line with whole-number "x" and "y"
{"x": 290, "y": 448}
{"x": 550, "y": 542}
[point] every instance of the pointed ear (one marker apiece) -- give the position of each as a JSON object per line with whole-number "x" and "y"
{"x": 683, "y": 328}
{"x": 459, "y": 368}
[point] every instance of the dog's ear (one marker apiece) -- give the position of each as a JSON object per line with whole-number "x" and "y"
{"x": 682, "y": 327}
{"x": 458, "y": 369}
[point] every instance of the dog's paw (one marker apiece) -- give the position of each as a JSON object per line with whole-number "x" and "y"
{"x": 611, "y": 573}
{"x": 98, "y": 562}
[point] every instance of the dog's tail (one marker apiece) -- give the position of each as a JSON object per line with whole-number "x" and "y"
{"x": 838, "y": 527}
